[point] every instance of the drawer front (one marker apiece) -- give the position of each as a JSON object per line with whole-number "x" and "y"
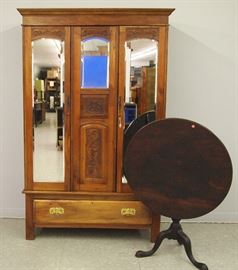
{"x": 90, "y": 212}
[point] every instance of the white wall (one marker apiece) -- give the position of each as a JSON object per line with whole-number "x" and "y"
{"x": 202, "y": 83}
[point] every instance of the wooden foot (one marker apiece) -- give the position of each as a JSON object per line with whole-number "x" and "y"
{"x": 30, "y": 229}
{"x": 30, "y": 234}
{"x": 155, "y": 228}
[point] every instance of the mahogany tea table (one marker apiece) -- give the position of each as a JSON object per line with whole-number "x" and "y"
{"x": 179, "y": 169}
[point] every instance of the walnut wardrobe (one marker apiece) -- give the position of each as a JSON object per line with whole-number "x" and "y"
{"x": 87, "y": 74}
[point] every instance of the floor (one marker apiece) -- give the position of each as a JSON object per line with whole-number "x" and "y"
{"x": 92, "y": 249}
{"x": 48, "y": 161}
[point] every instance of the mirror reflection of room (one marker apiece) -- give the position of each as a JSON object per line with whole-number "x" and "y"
{"x": 141, "y": 80}
{"x": 48, "y": 104}
{"x": 140, "y": 85}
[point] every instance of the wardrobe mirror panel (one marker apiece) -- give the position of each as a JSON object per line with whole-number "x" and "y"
{"x": 48, "y": 110}
{"x": 141, "y": 77}
{"x": 140, "y": 82}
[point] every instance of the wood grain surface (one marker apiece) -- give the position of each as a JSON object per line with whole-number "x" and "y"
{"x": 178, "y": 168}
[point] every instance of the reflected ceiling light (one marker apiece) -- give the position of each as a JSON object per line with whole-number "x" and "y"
{"x": 142, "y": 54}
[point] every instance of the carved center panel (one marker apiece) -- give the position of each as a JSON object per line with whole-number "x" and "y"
{"x": 94, "y": 106}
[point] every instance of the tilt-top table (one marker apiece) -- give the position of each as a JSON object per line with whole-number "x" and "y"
{"x": 179, "y": 169}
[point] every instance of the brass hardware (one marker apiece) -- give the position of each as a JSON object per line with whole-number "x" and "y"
{"x": 56, "y": 211}
{"x": 119, "y": 122}
{"x": 128, "y": 211}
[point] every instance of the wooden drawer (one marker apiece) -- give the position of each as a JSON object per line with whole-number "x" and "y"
{"x": 91, "y": 213}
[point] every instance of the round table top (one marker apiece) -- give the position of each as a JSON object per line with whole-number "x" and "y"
{"x": 136, "y": 125}
{"x": 178, "y": 168}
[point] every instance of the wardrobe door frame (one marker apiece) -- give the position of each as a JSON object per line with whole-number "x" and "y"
{"x": 103, "y": 120}
{"x": 160, "y": 34}
{"x": 30, "y": 34}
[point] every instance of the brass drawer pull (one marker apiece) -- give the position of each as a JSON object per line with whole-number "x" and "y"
{"x": 56, "y": 211}
{"x": 128, "y": 211}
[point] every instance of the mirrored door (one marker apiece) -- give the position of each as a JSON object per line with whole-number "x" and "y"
{"x": 138, "y": 83}
{"x": 48, "y": 110}
{"x": 46, "y": 91}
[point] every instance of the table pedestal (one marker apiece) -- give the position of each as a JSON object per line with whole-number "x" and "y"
{"x": 174, "y": 232}
{"x": 179, "y": 169}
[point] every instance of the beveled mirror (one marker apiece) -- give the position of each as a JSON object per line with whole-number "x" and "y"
{"x": 140, "y": 83}
{"x": 48, "y": 109}
{"x": 140, "y": 79}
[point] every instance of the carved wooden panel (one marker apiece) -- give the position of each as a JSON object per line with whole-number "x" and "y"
{"x": 95, "y": 106}
{"x": 140, "y": 32}
{"x": 93, "y": 153}
{"x": 93, "y": 160}
{"x": 95, "y": 32}
{"x": 48, "y": 32}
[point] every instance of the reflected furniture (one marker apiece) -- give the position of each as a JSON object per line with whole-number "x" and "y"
{"x": 92, "y": 193}
{"x": 52, "y": 90}
{"x": 39, "y": 113}
{"x": 60, "y": 124}
{"x": 146, "y": 94}
{"x": 183, "y": 171}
